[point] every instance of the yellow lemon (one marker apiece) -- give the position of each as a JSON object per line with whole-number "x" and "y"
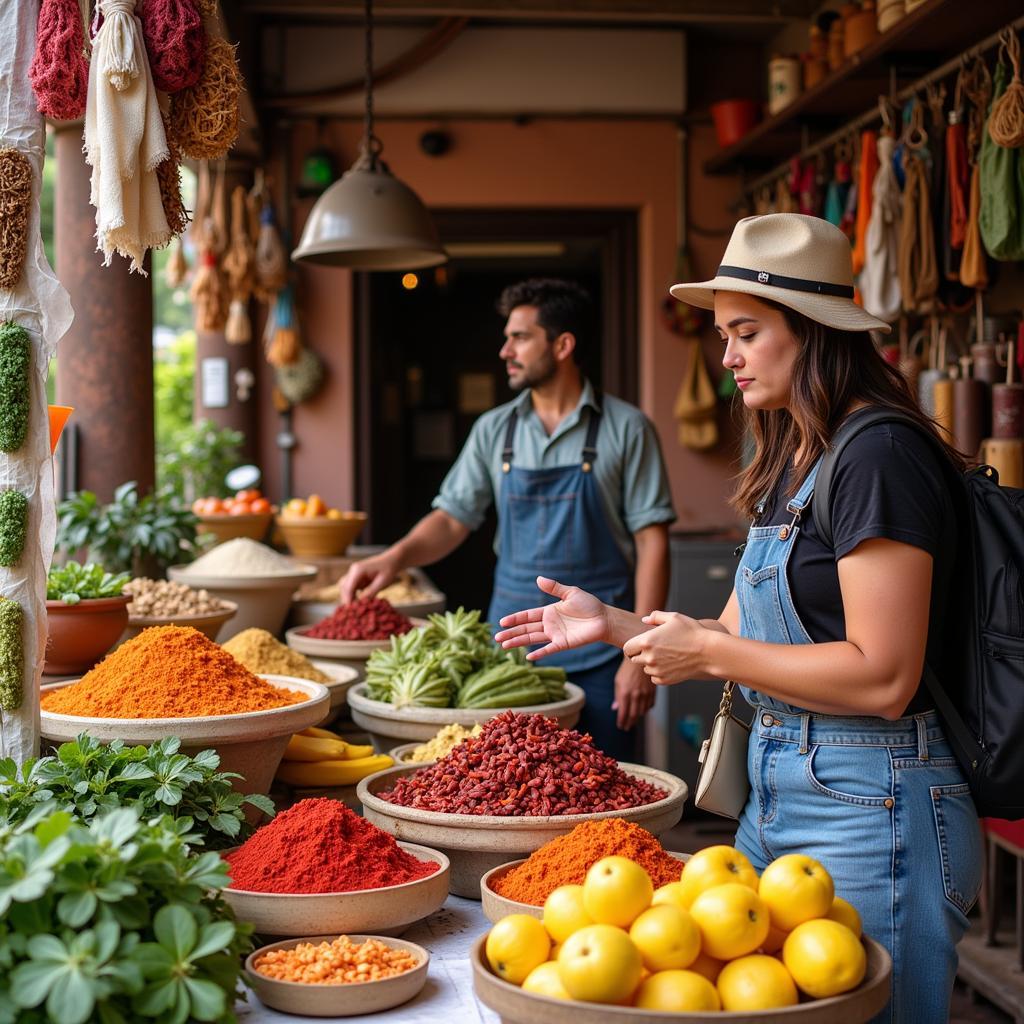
{"x": 756, "y": 983}
{"x": 715, "y": 865}
{"x": 543, "y": 980}
{"x": 775, "y": 940}
{"x": 600, "y": 964}
{"x": 707, "y": 966}
{"x": 825, "y": 958}
{"x": 668, "y": 938}
{"x": 564, "y": 913}
{"x": 677, "y": 992}
{"x": 672, "y": 893}
{"x": 515, "y": 945}
{"x": 733, "y": 920}
{"x": 846, "y": 913}
{"x": 797, "y": 889}
{"x": 616, "y": 890}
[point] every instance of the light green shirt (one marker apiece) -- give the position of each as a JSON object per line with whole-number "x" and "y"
{"x": 629, "y": 468}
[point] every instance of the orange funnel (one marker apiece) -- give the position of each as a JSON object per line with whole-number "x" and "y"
{"x": 59, "y": 415}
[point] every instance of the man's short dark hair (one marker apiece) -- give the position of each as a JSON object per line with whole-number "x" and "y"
{"x": 562, "y": 306}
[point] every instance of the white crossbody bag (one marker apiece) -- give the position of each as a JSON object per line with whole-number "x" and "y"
{"x": 722, "y": 783}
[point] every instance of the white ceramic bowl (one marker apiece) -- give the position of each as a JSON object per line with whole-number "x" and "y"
{"x": 388, "y": 725}
{"x": 263, "y": 601}
{"x": 338, "y": 1000}
{"x": 387, "y": 911}
{"x": 251, "y": 743}
{"x": 476, "y": 843}
{"x": 514, "y": 1006}
{"x": 345, "y": 650}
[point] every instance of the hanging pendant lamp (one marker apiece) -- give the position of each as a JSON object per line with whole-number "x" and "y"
{"x": 368, "y": 219}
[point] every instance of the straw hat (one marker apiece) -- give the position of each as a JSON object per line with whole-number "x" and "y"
{"x": 802, "y": 262}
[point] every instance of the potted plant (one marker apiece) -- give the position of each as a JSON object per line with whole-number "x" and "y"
{"x": 86, "y": 615}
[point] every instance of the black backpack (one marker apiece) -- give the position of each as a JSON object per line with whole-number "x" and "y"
{"x": 984, "y": 718}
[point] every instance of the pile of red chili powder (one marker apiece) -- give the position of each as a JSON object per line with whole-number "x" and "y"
{"x": 320, "y": 845}
{"x": 368, "y": 618}
{"x": 523, "y": 765}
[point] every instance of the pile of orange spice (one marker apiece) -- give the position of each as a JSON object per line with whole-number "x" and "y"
{"x": 168, "y": 672}
{"x": 565, "y": 860}
{"x": 341, "y": 962}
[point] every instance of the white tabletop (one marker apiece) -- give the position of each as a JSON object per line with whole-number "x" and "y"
{"x": 447, "y": 998}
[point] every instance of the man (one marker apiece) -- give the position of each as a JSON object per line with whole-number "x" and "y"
{"x": 581, "y": 495}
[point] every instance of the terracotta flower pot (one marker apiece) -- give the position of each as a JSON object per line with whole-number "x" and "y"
{"x": 79, "y": 635}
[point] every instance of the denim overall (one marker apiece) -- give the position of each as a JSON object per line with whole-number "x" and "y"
{"x": 553, "y": 524}
{"x": 882, "y": 804}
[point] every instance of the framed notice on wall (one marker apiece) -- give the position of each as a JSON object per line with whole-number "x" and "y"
{"x": 214, "y": 379}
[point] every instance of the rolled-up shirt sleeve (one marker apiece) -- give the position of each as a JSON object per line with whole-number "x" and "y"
{"x": 467, "y": 492}
{"x": 646, "y": 497}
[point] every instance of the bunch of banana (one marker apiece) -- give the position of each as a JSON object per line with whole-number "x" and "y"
{"x": 319, "y": 759}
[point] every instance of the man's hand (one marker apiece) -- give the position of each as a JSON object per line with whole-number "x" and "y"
{"x": 575, "y": 619}
{"x": 368, "y": 576}
{"x": 634, "y": 694}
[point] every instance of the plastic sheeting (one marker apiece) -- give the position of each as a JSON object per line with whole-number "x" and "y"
{"x": 42, "y": 307}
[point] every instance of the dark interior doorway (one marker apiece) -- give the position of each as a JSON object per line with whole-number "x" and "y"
{"x": 427, "y": 359}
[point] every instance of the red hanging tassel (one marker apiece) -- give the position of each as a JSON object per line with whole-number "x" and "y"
{"x": 175, "y": 41}
{"x": 59, "y": 71}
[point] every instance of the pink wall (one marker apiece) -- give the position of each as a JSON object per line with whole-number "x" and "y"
{"x": 553, "y": 164}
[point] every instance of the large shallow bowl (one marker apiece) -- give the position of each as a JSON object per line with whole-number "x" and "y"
{"x": 387, "y": 911}
{"x": 401, "y": 752}
{"x": 496, "y": 907}
{"x": 208, "y": 623}
{"x": 251, "y": 743}
{"x": 227, "y": 527}
{"x": 319, "y": 536}
{"x": 263, "y": 601}
{"x": 338, "y": 1000}
{"x": 344, "y": 650}
{"x": 475, "y": 843}
{"x": 388, "y": 725}
{"x": 515, "y": 1006}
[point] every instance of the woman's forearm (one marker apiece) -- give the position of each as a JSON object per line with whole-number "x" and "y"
{"x": 830, "y": 678}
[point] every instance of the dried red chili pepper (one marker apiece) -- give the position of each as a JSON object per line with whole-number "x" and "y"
{"x": 367, "y": 618}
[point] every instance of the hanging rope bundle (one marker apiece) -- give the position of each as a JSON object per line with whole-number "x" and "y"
{"x": 239, "y": 268}
{"x": 1006, "y": 120}
{"x": 169, "y": 176}
{"x": 176, "y": 42}
{"x": 271, "y": 259}
{"x": 204, "y": 116}
{"x": 177, "y": 268}
{"x": 209, "y": 292}
{"x": 59, "y": 71}
{"x": 282, "y": 332}
{"x": 15, "y": 204}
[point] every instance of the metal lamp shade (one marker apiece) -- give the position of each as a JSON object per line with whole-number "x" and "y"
{"x": 369, "y": 220}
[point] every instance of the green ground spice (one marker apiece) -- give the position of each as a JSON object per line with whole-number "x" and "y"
{"x": 13, "y": 526}
{"x": 12, "y": 655}
{"x": 15, "y": 352}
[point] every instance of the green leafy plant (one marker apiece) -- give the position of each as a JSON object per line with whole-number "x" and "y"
{"x": 73, "y": 582}
{"x": 13, "y": 526}
{"x": 87, "y": 778}
{"x": 140, "y": 535}
{"x": 114, "y": 921}
{"x": 197, "y": 458}
{"x": 15, "y": 357}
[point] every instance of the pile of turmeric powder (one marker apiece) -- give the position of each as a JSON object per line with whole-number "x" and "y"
{"x": 168, "y": 672}
{"x": 566, "y": 860}
{"x": 259, "y": 651}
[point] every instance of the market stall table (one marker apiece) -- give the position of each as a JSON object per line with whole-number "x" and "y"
{"x": 448, "y": 995}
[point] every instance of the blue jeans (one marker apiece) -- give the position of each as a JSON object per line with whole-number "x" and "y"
{"x": 884, "y": 807}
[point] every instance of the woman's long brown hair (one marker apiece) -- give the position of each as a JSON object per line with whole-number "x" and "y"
{"x": 833, "y": 370}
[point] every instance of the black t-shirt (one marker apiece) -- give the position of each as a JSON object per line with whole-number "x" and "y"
{"x": 889, "y": 483}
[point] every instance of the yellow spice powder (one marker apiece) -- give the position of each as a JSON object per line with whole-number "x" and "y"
{"x": 261, "y": 653}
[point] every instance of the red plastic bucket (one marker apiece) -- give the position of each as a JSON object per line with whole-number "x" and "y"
{"x": 733, "y": 119}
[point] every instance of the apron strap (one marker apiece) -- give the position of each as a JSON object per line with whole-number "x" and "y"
{"x": 507, "y": 451}
{"x": 590, "y": 444}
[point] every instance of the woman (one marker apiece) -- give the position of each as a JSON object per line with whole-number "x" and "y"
{"x": 847, "y": 760}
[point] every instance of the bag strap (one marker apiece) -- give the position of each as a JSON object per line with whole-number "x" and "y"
{"x": 958, "y": 733}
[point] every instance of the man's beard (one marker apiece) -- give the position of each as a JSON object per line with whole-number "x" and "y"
{"x": 540, "y": 374}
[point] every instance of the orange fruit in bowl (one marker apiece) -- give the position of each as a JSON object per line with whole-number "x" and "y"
{"x": 616, "y": 890}
{"x": 714, "y": 865}
{"x": 668, "y": 938}
{"x": 515, "y": 946}
{"x": 756, "y": 983}
{"x": 733, "y": 920}
{"x": 677, "y": 991}
{"x": 825, "y": 958}
{"x": 846, "y": 913}
{"x": 599, "y": 964}
{"x": 797, "y": 889}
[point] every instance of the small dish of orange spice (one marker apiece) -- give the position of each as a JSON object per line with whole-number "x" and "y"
{"x": 337, "y": 976}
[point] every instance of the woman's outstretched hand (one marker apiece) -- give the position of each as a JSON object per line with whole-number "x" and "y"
{"x": 575, "y": 619}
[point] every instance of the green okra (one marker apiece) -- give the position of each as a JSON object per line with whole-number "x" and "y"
{"x": 13, "y": 526}
{"x": 12, "y": 655}
{"x": 15, "y": 354}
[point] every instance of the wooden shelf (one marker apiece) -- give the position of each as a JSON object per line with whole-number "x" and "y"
{"x": 920, "y": 42}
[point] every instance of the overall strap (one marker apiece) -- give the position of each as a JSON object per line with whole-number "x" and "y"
{"x": 507, "y": 449}
{"x": 803, "y": 496}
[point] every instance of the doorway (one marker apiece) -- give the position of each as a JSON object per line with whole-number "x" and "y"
{"x": 427, "y": 359}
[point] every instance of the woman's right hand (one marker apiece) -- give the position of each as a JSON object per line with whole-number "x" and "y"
{"x": 575, "y": 619}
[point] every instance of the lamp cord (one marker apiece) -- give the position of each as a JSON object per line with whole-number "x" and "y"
{"x": 371, "y": 144}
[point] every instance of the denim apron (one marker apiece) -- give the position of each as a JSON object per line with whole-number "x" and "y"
{"x": 553, "y": 524}
{"x": 882, "y": 804}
